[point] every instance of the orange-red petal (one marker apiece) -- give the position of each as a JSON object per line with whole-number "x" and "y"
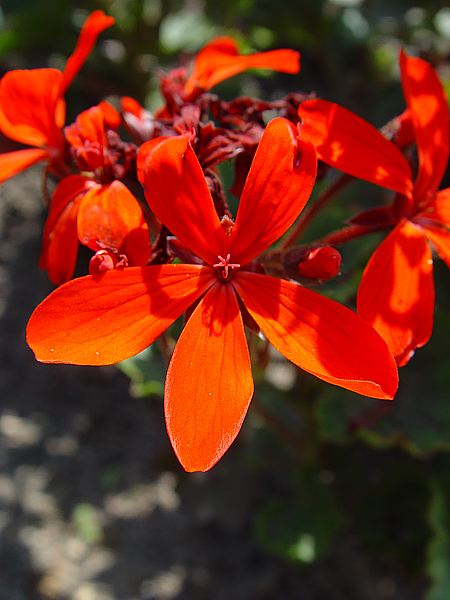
{"x": 319, "y": 335}
{"x": 177, "y": 192}
{"x": 427, "y": 103}
{"x": 396, "y": 294}
{"x": 132, "y": 106}
{"x": 101, "y": 321}
{"x": 349, "y": 143}
{"x": 440, "y": 238}
{"x": 12, "y": 163}
{"x": 109, "y": 216}
{"x": 111, "y": 116}
{"x": 94, "y": 25}
{"x": 209, "y": 383}
{"x": 59, "y": 240}
{"x": 89, "y": 126}
{"x": 28, "y": 106}
{"x": 439, "y": 209}
{"x": 220, "y": 60}
{"x": 278, "y": 185}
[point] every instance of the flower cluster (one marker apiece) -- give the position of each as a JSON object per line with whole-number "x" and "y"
{"x": 143, "y": 192}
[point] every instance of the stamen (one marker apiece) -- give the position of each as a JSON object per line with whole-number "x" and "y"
{"x": 225, "y": 265}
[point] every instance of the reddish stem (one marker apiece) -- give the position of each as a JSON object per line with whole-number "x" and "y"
{"x": 314, "y": 209}
{"x": 348, "y": 233}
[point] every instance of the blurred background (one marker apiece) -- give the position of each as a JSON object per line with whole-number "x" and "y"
{"x": 325, "y": 495}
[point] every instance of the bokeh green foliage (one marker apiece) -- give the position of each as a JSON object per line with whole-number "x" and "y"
{"x": 350, "y": 466}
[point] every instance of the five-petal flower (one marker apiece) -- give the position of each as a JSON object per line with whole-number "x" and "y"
{"x": 209, "y": 383}
{"x": 396, "y": 294}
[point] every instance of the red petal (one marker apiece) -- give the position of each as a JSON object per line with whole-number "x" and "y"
{"x": 404, "y": 134}
{"x": 278, "y": 185}
{"x": 439, "y": 209}
{"x": 319, "y": 335}
{"x": 176, "y": 190}
{"x": 427, "y": 103}
{"x": 440, "y": 237}
{"x": 111, "y": 116}
{"x": 396, "y": 294}
{"x": 111, "y": 217}
{"x": 89, "y": 321}
{"x": 209, "y": 382}
{"x": 132, "y": 106}
{"x": 220, "y": 60}
{"x": 92, "y": 28}
{"x": 59, "y": 240}
{"x": 12, "y": 163}
{"x": 89, "y": 126}
{"x": 144, "y": 154}
{"x": 28, "y": 106}
{"x": 345, "y": 141}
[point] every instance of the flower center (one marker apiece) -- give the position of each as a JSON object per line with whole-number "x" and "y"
{"x": 225, "y": 267}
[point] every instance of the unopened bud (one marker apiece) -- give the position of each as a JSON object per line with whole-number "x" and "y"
{"x": 320, "y": 263}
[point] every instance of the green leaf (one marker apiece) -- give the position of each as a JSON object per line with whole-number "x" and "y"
{"x": 146, "y": 372}
{"x": 301, "y": 526}
{"x": 87, "y": 524}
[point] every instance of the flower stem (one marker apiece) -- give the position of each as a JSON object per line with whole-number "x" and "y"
{"x": 315, "y": 208}
{"x": 350, "y": 232}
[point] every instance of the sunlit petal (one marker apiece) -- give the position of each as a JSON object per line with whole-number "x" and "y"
{"x": 220, "y": 60}
{"x": 176, "y": 190}
{"x": 278, "y": 185}
{"x": 28, "y": 106}
{"x": 319, "y": 335}
{"x": 12, "y": 163}
{"x": 209, "y": 382}
{"x": 396, "y": 294}
{"x": 103, "y": 320}
{"x": 349, "y": 143}
{"x": 110, "y": 217}
{"x": 427, "y": 103}
{"x": 94, "y": 25}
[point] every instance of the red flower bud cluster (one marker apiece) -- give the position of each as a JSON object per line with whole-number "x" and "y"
{"x": 143, "y": 192}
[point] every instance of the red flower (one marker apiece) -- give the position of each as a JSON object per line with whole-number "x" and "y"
{"x": 209, "y": 383}
{"x": 32, "y": 107}
{"x": 96, "y": 209}
{"x": 396, "y": 294}
{"x": 220, "y": 60}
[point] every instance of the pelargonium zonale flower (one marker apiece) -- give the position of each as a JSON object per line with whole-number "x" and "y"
{"x": 396, "y": 293}
{"x": 209, "y": 382}
{"x": 220, "y": 59}
{"x": 32, "y": 107}
{"x": 96, "y": 208}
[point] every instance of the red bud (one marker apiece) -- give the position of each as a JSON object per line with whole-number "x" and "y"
{"x": 320, "y": 263}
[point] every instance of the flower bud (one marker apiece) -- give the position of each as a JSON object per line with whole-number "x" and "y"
{"x": 321, "y": 263}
